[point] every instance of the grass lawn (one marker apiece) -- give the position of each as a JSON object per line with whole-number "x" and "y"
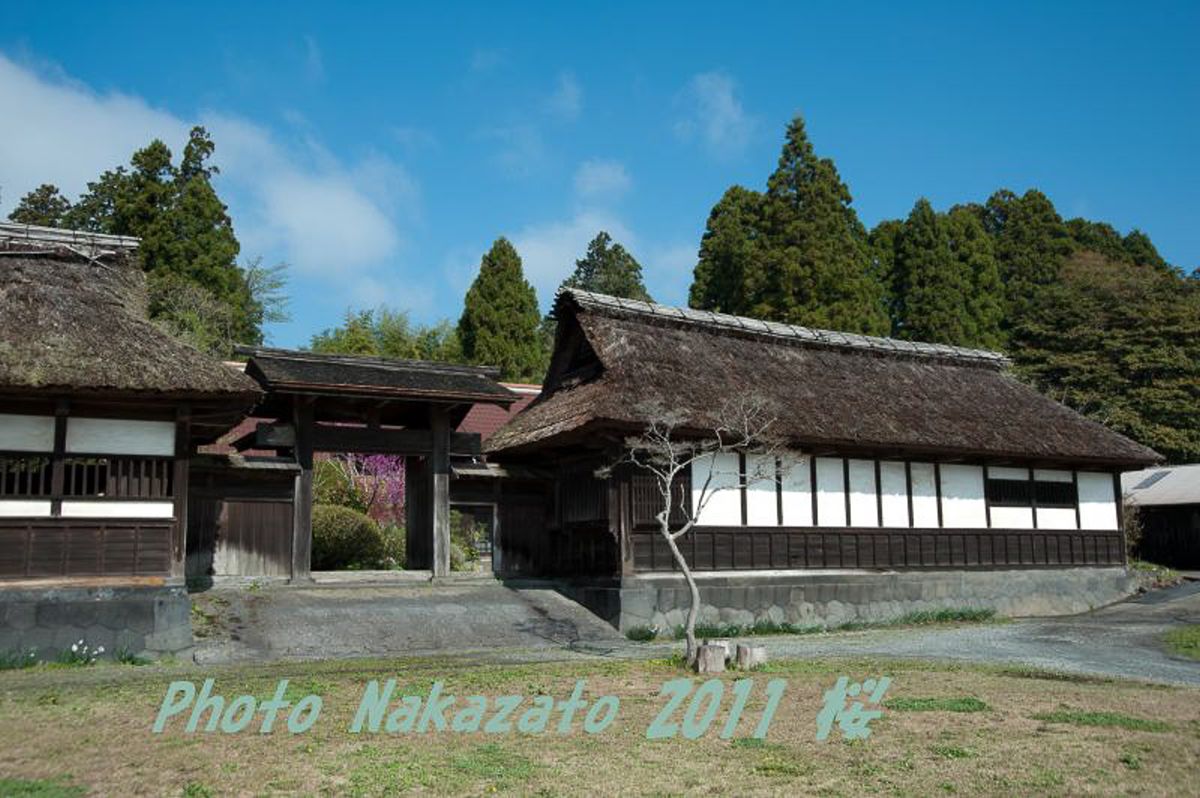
{"x": 945, "y": 729}
{"x": 1185, "y": 641}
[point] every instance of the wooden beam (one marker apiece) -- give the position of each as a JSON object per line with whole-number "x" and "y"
{"x": 439, "y": 461}
{"x": 183, "y": 433}
{"x": 57, "y": 459}
{"x": 365, "y": 440}
{"x": 302, "y": 501}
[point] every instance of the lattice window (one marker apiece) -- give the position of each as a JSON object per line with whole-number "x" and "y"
{"x": 118, "y": 477}
{"x": 25, "y": 475}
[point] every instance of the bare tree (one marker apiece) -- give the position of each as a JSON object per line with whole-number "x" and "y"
{"x": 668, "y": 449}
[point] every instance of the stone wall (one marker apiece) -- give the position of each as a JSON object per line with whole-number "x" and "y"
{"x": 147, "y": 621}
{"x": 834, "y": 598}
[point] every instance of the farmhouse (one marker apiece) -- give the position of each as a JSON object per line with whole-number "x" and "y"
{"x": 99, "y": 411}
{"x": 916, "y": 475}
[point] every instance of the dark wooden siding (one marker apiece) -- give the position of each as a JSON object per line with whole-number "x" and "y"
{"x": 734, "y": 548}
{"x": 239, "y": 523}
{"x": 1170, "y": 535}
{"x": 56, "y": 547}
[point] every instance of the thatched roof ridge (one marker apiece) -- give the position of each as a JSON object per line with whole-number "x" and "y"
{"x": 73, "y": 322}
{"x": 298, "y": 371}
{"x": 614, "y": 360}
{"x": 771, "y": 330}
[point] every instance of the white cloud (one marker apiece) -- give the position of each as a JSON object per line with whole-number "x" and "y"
{"x": 566, "y": 102}
{"x": 714, "y": 114}
{"x": 298, "y": 204}
{"x": 599, "y": 178}
{"x": 314, "y": 64}
{"x": 549, "y": 250}
{"x": 522, "y": 150}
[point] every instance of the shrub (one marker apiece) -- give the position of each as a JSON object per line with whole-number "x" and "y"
{"x": 642, "y": 634}
{"x": 344, "y": 538}
{"x": 466, "y": 533}
{"x": 333, "y": 485}
{"x": 395, "y": 546}
{"x": 459, "y": 561}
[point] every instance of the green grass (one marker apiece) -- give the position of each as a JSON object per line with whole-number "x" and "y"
{"x": 40, "y": 788}
{"x": 963, "y": 704}
{"x": 952, "y": 752}
{"x": 1113, "y": 719}
{"x": 16, "y": 660}
{"x": 759, "y": 628}
{"x": 1184, "y": 641}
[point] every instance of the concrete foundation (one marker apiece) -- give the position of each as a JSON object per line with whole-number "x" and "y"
{"x": 147, "y": 621}
{"x": 832, "y": 598}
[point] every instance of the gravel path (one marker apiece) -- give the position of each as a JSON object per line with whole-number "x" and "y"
{"x": 500, "y": 623}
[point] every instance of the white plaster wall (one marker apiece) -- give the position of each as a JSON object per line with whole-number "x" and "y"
{"x": 107, "y": 509}
{"x": 831, "y": 492}
{"x": 797, "y": 491}
{"x": 864, "y": 507}
{"x": 762, "y": 508}
{"x": 963, "y": 506}
{"x": 1012, "y": 517}
{"x": 1097, "y": 504}
{"x": 924, "y": 496}
{"x": 724, "y": 504}
{"x": 26, "y": 433}
{"x": 24, "y": 508}
{"x": 1051, "y": 475}
{"x": 894, "y": 489}
{"x": 1056, "y": 518}
{"x": 120, "y": 436}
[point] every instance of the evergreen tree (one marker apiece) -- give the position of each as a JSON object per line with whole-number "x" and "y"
{"x": 730, "y": 271}
{"x": 797, "y": 254}
{"x": 608, "y": 268}
{"x": 500, "y": 320}
{"x": 43, "y": 206}
{"x": 932, "y": 286}
{"x": 881, "y": 243}
{"x": 1031, "y": 243}
{"x": 389, "y": 333}
{"x": 975, "y": 252}
{"x": 822, "y": 269}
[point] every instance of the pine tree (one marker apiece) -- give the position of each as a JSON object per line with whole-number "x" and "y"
{"x": 608, "y": 268}
{"x": 500, "y": 320}
{"x": 44, "y": 206}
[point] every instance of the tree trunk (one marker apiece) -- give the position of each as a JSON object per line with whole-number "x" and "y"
{"x": 689, "y": 628}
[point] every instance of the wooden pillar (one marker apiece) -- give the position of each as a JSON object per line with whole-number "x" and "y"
{"x": 620, "y": 516}
{"x": 179, "y": 486}
{"x": 302, "y": 418}
{"x": 439, "y": 483}
{"x": 58, "y": 458}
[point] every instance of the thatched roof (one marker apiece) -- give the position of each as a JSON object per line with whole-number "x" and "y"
{"x": 73, "y": 322}
{"x": 615, "y": 359}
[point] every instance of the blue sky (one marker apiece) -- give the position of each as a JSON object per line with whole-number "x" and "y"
{"x": 380, "y": 149}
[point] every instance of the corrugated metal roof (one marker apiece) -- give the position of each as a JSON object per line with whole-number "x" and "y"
{"x": 1152, "y": 487}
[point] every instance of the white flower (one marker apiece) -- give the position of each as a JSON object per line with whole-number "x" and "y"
{"x": 100, "y": 649}
{"x": 74, "y": 647}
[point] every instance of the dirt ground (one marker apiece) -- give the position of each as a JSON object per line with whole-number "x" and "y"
{"x": 1026, "y": 732}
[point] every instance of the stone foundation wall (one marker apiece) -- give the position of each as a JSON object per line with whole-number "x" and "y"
{"x": 835, "y": 598}
{"x": 147, "y": 621}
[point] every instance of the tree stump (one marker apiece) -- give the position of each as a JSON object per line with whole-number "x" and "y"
{"x": 750, "y": 657}
{"x": 723, "y": 643}
{"x": 710, "y": 659}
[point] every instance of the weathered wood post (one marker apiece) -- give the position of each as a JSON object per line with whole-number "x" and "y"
{"x": 302, "y": 417}
{"x": 750, "y": 657}
{"x": 710, "y": 659}
{"x": 439, "y": 463}
{"x": 180, "y": 484}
